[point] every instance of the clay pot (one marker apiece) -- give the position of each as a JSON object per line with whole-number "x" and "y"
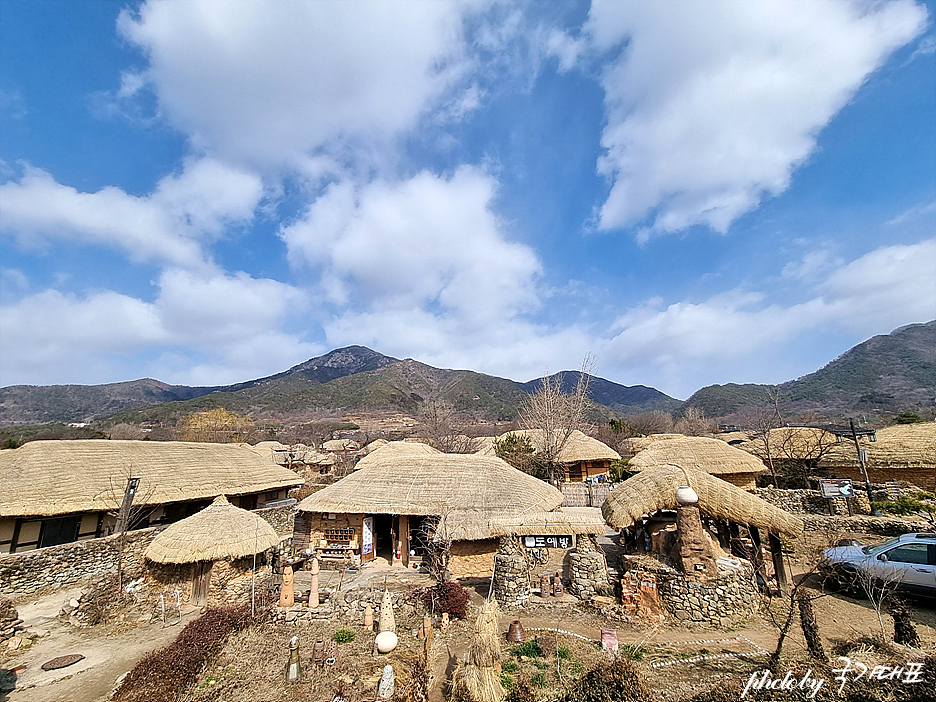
{"x": 515, "y": 632}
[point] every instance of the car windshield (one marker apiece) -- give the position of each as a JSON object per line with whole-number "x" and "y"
{"x": 874, "y": 550}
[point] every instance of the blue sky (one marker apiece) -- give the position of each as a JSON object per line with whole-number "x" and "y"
{"x": 693, "y": 193}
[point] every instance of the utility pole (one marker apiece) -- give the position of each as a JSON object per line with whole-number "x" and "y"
{"x": 862, "y": 459}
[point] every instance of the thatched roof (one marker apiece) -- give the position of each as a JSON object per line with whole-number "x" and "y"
{"x": 736, "y": 436}
{"x": 792, "y": 443}
{"x": 899, "y": 446}
{"x": 60, "y": 477}
{"x": 655, "y": 489}
{"x": 637, "y": 444}
{"x": 219, "y": 531}
{"x": 340, "y": 445}
{"x": 374, "y": 445}
{"x": 567, "y": 520}
{"x": 469, "y": 490}
{"x": 699, "y": 452}
{"x": 396, "y": 449}
{"x": 579, "y": 447}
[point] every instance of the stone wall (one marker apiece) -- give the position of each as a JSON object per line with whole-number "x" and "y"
{"x": 794, "y": 501}
{"x": 511, "y": 574}
{"x": 472, "y": 559}
{"x": 861, "y": 524}
{"x": 79, "y": 561}
{"x": 923, "y": 477}
{"x": 588, "y": 574}
{"x": 721, "y": 602}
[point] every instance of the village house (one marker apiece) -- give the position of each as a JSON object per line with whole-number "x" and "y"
{"x": 903, "y": 452}
{"x": 56, "y": 492}
{"x": 582, "y": 457}
{"x": 395, "y": 507}
{"x": 703, "y": 454}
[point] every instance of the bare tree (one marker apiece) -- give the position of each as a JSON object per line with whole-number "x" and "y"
{"x": 761, "y": 421}
{"x": 442, "y": 426}
{"x": 556, "y": 415}
{"x": 655, "y": 422}
{"x": 130, "y": 497}
{"x": 694, "y": 423}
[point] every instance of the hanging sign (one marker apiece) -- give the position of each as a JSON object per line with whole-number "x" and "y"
{"x": 836, "y": 487}
{"x": 367, "y": 536}
{"x": 552, "y": 541}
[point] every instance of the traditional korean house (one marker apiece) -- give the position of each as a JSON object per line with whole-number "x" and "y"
{"x": 395, "y": 449}
{"x": 215, "y": 550}
{"x": 394, "y": 507}
{"x": 704, "y": 454}
{"x": 55, "y": 492}
{"x": 582, "y": 457}
{"x": 903, "y": 452}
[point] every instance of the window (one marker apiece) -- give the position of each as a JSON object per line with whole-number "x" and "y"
{"x": 59, "y": 531}
{"x": 909, "y": 553}
{"x": 270, "y": 496}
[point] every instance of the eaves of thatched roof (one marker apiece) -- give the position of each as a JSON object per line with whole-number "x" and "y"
{"x": 396, "y": 449}
{"x": 655, "y": 489}
{"x": 43, "y": 478}
{"x": 219, "y": 531}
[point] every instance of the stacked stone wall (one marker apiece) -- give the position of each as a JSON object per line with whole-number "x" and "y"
{"x": 588, "y": 574}
{"x": 281, "y": 519}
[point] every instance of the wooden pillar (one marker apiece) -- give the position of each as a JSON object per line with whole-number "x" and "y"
{"x": 724, "y": 538}
{"x": 757, "y": 557}
{"x": 776, "y": 552}
{"x": 734, "y": 532}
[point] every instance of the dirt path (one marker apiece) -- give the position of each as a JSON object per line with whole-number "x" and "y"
{"x": 107, "y": 654}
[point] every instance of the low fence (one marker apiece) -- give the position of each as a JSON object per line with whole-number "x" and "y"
{"x": 585, "y": 494}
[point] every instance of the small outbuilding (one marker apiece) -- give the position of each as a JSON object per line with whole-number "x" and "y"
{"x": 217, "y": 550}
{"x": 582, "y": 456}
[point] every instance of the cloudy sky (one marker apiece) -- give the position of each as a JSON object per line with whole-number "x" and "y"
{"x": 205, "y": 192}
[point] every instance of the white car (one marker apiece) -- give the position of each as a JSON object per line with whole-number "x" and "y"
{"x": 909, "y": 562}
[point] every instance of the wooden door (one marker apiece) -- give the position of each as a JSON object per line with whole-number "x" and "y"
{"x": 201, "y": 581}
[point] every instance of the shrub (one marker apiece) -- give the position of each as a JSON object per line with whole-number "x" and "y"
{"x": 564, "y": 653}
{"x": 539, "y": 680}
{"x": 527, "y": 649}
{"x": 618, "y": 680}
{"x": 343, "y": 636}
{"x": 163, "y": 674}
{"x": 448, "y": 596}
{"x": 510, "y": 666}
{"x": 506, "y": 681}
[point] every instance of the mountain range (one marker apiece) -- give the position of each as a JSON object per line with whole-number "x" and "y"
{"x": 886, "y": 373}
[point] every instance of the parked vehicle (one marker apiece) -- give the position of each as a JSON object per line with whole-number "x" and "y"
{"x": 907, "y": 562}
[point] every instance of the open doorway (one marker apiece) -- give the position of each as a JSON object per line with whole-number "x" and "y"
{"x": 384, "y": 536}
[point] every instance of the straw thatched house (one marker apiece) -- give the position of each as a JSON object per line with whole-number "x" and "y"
{"x": 54, "y": 492}
{"x": 396, "y": 449}
{"x": 374, "y": 445}
{"x": 704, "y": 454}
{"x": 904, "y": 452}
{"x": 793, "y": 452}
{"x": 396, "y": 505}
{"x": 341, "y": 447}
{"x": 636, "y": 444}
{"x": 582, "y": 457}
{"x": 215, "y": 551}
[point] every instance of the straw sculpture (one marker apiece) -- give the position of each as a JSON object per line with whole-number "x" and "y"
{"x": 478, "y": 678}
{"x": 699, "y": 452}
{"x": 58, "y": 477}
{"x": 899, "y": 446}
{"x": 466, "y": 489}
{"x": 579, "y": 447}
{"x": 395, "y": 449}
{"x": 655, "y": 489}
{"x": 568, "y": 520}
{"x": 219, "y": 531}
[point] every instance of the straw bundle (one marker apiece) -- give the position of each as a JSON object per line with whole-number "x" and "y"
{"x": 698, "y": 452}
{"x": 579, "y": 447}
{"x": 655, "y": 489}
{"x": 395, "y": 449}
{"x": 478, "y": 678}
{"x": 466, "y": 489}
{"x": 899, "y": 446}
{"x": 219, "y": 531}
{"x": 59, "y": 477}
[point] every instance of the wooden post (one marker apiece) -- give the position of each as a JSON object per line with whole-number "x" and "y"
{"x": 776, "y": 552}
{"x": 757, "y": 557}
{"x": 724, "y": 538}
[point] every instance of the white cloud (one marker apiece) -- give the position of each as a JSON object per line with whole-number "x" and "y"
{"x": 713, "y": 107}
{"x": 274, "y": 83}
{"x": 429, "y": 241}
{"x": 237, "y": 324}
{"x": 167, "y": 226}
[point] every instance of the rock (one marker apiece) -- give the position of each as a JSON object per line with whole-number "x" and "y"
{"x": 14, "y": 643}
{"x": 73, "y": 603}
